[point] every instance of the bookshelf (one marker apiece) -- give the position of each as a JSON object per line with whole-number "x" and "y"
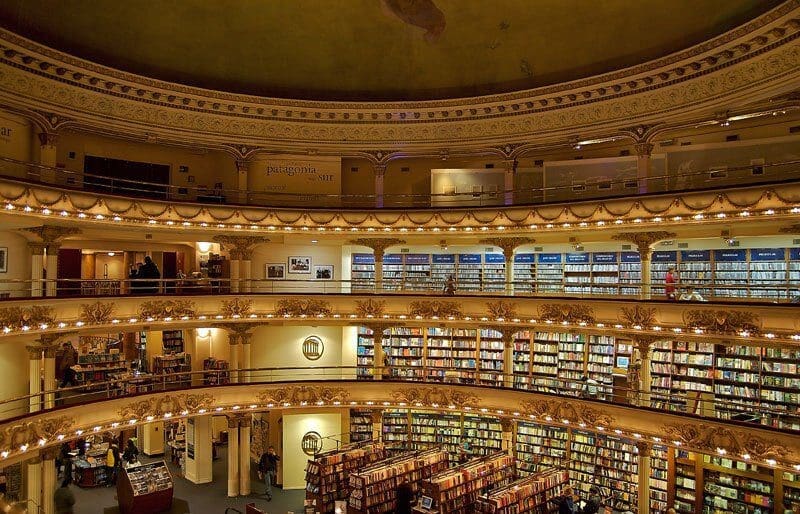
{"x": 608, "y": 462}
{"x": 539, "y": 447}
{"x": 549, "y": 273}
{"x": 451, "y": 354}
{"x": 605, "y": 273}
{"x": 430, "y": 429}
{"x": 494, "y": 272}
{"x": 768, "y": 273}
{"x": 456, "y": 490}
{"x": 328, "y": 474}
{"x": 483, "y": 434}
{"x": 393, "y": 279}
{"x": 99, "y": 367}
{"x": 360, "y": 425}
{"x": 373, "y": 487}
{"x": 365, "y": 354}
{"x": 404, "y": 346}
{"x": 544, "y": 370}
{"x": 524, "y": 273}
{"x": 730, "y": 269}
{"x": 791, "y": 492}
{"x": 175, "y": 368}
{"x": 794, "y": 272}
{"x": 396, "y": 428}
{"x": 362, "y": 271}
{"x": 469, "y": 273}
{"x": 442, "y": 266}
{"x": 571, "y": 360}
{"x": 735, "y": 486}
{"x": 145, "y": 488}
{"x": 683, "y": 497}
{"x": 217, "y": 371}
{"x": 577, "y": 273}
{"x": 600, "y": 364}
{"x": 659, "y": 478}
{"x": 172, "y": 341}
{"x": 695, "y": 268}
{"x": 522, "y": 360}
{"x": 659, "y": 264}
{"x": 630, "y": 273}
{"x": 417, "y": 272}
{"x": 529, "y": 495}
{"x": 491, "y": 353}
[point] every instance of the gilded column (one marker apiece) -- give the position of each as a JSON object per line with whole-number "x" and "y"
{"x": 380, "y": 171}
{"x": 643, "y": 491}
{"x": 49, "y": 480}
{"x": 233, "y": 359}
{"x": 643, "y": 347}
{"x": 236, "y": 257}
{"x": 35, "y": 377}
{"x": 49, "y": 374}
{"x": 47, "y": 156}
{"x": 508, "y": 181}
{"x": 37, "y": 268}
{"x": 380, "y": 369}
{"x": 241, "y": 251}
{"x": 245, "y": 338}
{"x": 378, "y": 246}
{"x": 244, "y": 455}
{"x": 233, "y": 457}
{"x": 242, "y": 172}
{"x": 644, "y": 242}
{"x": 33, "y": 481}
{"x": 507, "y": 443}
{"x": 508, "y": 245}
{"x": 644, "y": 165}
{"x": 377, "y": 425}
{"x": 245, "y": 270}
{"x": 52, "y": 268}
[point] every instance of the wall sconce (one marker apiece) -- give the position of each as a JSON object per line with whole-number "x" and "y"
{"x": 204, "y": 247}
{"x": 203, "y": 333}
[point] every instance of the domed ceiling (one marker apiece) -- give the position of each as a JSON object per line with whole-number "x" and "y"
{"x": 373, "y": 49}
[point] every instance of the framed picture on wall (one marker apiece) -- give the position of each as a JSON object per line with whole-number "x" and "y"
{"x": 3, "y": 259}
{"x": 301, "y": 265}
{"x": 275, "y": 271}
{"x": 323, "y": 272}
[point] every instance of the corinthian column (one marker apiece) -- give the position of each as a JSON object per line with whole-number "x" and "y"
{"x": 378, "y": 246}
{"x": 644, "y": 165}
{"x": 380, "y": 171}
{"x": 37, "y": 268}
{"x": 644, "y": 242}
{"x": 508, "y": 245}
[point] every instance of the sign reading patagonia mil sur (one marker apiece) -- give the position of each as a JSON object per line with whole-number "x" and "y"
{"x": 307, "y": 175}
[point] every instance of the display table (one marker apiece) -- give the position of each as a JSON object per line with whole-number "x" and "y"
{"x": 91, "y": 471}
{"x": 145, "y": 488}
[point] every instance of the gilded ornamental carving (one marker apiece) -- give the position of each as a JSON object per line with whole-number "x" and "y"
{"x": 435, "y": 396}
{"x": 644, "y": 241}
{"x": 33, "y": 316}
{"x": 240, "y": 247}
{"x": 31, "y": 432}
{"x": 502, "y": 309}
{"x": 508, "y": 244}
{"x": 299, "y": 394}
{"x": 157, "y": 406}
{"x": 160, "y": 309}
{"x": 370, "y": 308}
{"x": 567, "y": 312}
{"x": 638, "y": 316}
{"x": 722, "y": 321}
{"x": 302, "y": 307}
{"x": 711, "y": 439}
{"x": 569, "y": 410}
{"x": 236, "y": 308}
{"x": 378, "y": 244}
{"x": 97, "y": 312}
{"x": 434, "y": 308}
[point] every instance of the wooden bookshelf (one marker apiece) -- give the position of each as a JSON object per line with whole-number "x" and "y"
{"x": 529, "y": 495}
{"x": 172, "y": 341}
{"x": 456, "y": 490}
{"x": 360, "y": 425}
{"x": 373, "y": 488}
{"x": 174, "y": 368}
{"x": 328, "y": 474}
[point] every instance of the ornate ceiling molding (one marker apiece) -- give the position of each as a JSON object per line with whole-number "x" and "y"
{"x": 755, "y": 60}
{"x": 302, "y": 395}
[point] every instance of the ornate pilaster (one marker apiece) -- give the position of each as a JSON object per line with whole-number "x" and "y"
{"x": 233, "y": 456}
{"x": 47, "y": 155}
{"x": 242, "y": 174}
{"x": 51, "y": 237}
{"x": 380, "y": 368}
{"x": 644, "y": 149}
{"x": 379, "y": 246}
{"x": 644, "y": 450}
{"x": 380, "y": 171}
{"x": 508, "y": 245}
{"x": 510, "y": 167}
{"x": 644, "y": 242}
{"x": 240, "y": 249}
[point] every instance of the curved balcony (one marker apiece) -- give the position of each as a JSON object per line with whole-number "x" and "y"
{"x": 309, "y": 388}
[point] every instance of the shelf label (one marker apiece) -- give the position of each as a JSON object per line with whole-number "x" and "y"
{"x": 549, "y": 258}
{"x": 393, "y": 258}
{"x": 363, "y": 258}
{"x": 767, "y": 254}
{"x": 667, "y": 256}
{"x": 469, "y": 258}
{"x": 605, "y": 257}
{"x": 730, "y": 255}
{"x": 523, "y": 257}
{"x": 695, "y": 255}
{"x": 418, "y": 258}
{"x": 494, "y": 258}
{"x": 794, "y": 254}
{"x": 444, "y": 258}
{"x": 577, "y": 257}
{"x": 631, "y": 257}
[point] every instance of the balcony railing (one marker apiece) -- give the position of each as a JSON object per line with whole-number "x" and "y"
{"x": 671, "y": 181}
{"x": 786, "y": 292}
{"x": 136, "y": 384}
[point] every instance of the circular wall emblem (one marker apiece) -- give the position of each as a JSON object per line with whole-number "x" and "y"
{"x": 311, "y": 443}
{"x": 313, "y": 348}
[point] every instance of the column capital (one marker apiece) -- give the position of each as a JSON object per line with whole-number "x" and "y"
{"x": 50, "y": 234}
{"x": 233, "y": 338}
{"x": 246, "y": 338}
{"x": 53, "y": 248}
{"x": 376, "y": 416}
{"x": 379, "y": 169}
{"x": 510, "y": 165}
{"x": 644, "y": 149}
{"x": 242, "y": 165}
{"x": 34, "y": 352}
{"x": 48, "y": 138}
{"x": 233, "y": 421}
{"x": 245, "y": 422}
{"x": 240, "y": 247}
{"x": 37, "y": 248}
{"x": 644, "y": 344}
{"x": 645, "y": 448}
{"x": 507, "y": 424}
{"x": 50, "y": 351}
{"x": 644, "y": 240}
{"x": 508, "y": 244}
{"x": 378, "y": 244}
{"x": 238, "y": 420}
{"x": 50, "y": 453}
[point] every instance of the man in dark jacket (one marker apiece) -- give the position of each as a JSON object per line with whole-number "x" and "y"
{"x": 268, "y": 466}
{"x": 149, "y": 270}
{"x": 63, "y": 499}
{"x": 405, "y": 495}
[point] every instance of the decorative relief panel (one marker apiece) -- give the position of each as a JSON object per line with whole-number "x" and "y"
{"x": 160, "y": 309}
{"x": 638, "y": 316}
{"x": 722, "y": 321}
{"x": 733, "y": 441}
{"x": 435, "y": 396}
{"x": 370, "y": 308}
{"x": 502, "y": 309}
{"x": 236, "y": 308}
{"x": 569, "y": 312}
{"x": 33, "y": 316}
{"x": 299, "y": 394}
{"x": 434, "y": 308}
{"x": 569, "y": 410}
{"x": 31, "y": 432}
{"x": 157, "y": 406}
{"x": 97, "y": 312}
{"x": 302, "y": 307}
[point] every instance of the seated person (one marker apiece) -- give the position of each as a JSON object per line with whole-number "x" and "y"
{"x": 594, "y": 502}
{"x": 690, "y": 295}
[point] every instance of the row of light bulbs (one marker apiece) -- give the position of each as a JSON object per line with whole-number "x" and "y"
{"x": 631, "y": 435}
{"x": 288, "y": 228}
{"x": 405, "y": 317}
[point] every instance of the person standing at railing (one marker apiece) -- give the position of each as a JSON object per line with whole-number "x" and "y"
{"x": 670, "y": 283}
{"x": 149, "y": 270}
{"x": 68, "y": 360}
{"x": 450, "y": 286}
{"x": 133, "y": 274}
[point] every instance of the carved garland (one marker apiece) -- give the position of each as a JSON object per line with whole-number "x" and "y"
{"x": 638, "y": 316}
{"x": 30, "y": 433}
{"x": 97, "y": 312}
{"x": 572, "y": 411}
{"x": 722, "y": 322}
{"x": 502, "y": 310}
{"x": 300, "y": 394}
{"x": 159, "y": 309}
{"x": 441, "y": 396}
{"x": 302, "y": 307}
{"x": 370, "y": 308}
{"x": 236, "y": 308}
{"x": 734, "y": 442}
{"x": 434, "y": 309}
{"x": 571, "y": 313}
{"x": 17, "y": 317}
{"x": 160, "y": 405}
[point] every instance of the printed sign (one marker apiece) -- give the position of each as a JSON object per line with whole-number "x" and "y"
{"x": 523, "y": 258}
{"x": 577, "y": 257}
{"x": 363, "y": 258}
{"x": 494, "y": 258}
{"x": 295, "y": 175}
{"x": 630, "y": 257}
{"x": 730, "y": 255}
{"x": 444, "y": 258}
{"x": 695, "y": 255}
{"x": 767, "y": 254}
{"x": 469, "y": 258}
{"x": 604, "y": 257}
{"x": 418, "y": 258}
{"x": 669, "y": 256}
{"x": 549, "y": 258}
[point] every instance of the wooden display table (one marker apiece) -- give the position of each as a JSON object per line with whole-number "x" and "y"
{"x": 146, "y": 488}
